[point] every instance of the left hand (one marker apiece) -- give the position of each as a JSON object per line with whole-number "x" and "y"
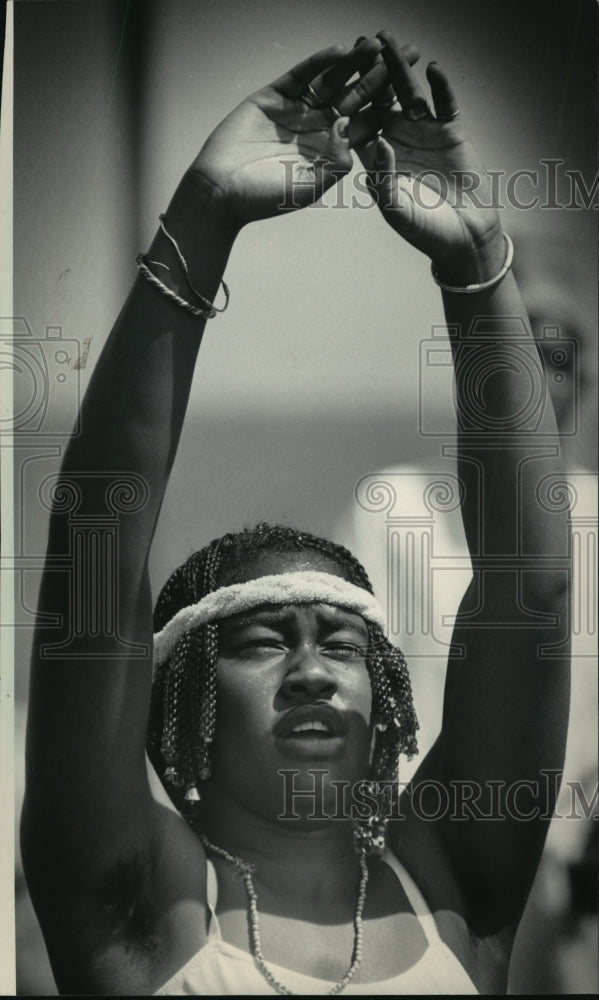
{"x": 282, "y": 147}
{"x": 422, "y": 168}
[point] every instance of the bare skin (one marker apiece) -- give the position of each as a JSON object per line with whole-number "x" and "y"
{"x": 118, "y": 881}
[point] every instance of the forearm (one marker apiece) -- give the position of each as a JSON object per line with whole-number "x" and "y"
{"x": 91, "y": 666}
{"x": 133, "y": 411}
{"x": 508, "y": 443}
{"x": 511, "y": 634}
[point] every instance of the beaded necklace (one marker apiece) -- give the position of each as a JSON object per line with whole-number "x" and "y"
{"x": 245, "y": 871}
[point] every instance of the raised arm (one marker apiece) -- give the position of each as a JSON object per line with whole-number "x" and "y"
{"x": 94, "y": 844}
{"x": 506, "y": 693}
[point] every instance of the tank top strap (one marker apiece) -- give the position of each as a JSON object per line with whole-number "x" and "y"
{"x": 214, "y": 932}
{"x": 415, "y": 898}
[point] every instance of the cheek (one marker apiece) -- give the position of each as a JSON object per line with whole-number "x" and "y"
{"x": 243, "y": 767}
{"x": 360, "y": 693}
{"x": 244, "y": 701}
{"x": 361, "y": 703}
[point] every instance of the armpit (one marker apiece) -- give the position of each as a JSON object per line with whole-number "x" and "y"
{"x": 126, "y": 902}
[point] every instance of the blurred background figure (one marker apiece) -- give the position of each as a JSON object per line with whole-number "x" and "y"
{"x": 560, "y": 293}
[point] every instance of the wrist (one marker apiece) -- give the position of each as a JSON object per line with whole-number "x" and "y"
{"x": 197, "y": 210}
{"x": 197, "y": 221}
{"x": 474, "y": 264}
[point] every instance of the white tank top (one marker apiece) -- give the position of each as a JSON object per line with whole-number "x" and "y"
{"x": 221, "y": 969}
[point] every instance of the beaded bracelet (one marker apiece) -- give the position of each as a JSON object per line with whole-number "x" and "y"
{"x": 207, "y": 310}
{"x": 471, "y": 289}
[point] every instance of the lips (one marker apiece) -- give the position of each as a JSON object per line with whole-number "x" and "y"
{"x": 311, "y": 721}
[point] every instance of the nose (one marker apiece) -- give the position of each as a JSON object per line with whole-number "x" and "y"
{"x": 308, "y": 674}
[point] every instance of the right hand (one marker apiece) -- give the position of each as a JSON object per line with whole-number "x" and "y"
{"x": 420, "y": 171}
{"x": 275, "y": 153}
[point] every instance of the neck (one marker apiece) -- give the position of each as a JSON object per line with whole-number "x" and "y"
{"x": 319, "y": 853}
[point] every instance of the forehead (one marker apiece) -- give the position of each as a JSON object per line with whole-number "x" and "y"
{"x": 321, "y": 616}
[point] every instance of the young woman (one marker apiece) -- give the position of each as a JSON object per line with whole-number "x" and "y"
{"x": 278, "y": 708}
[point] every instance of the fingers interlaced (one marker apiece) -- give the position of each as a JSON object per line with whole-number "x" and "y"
{"x": 403, "y": 80}
{"x": 326, "y": 84}
{"x": 372, "y": 87}
{"x": 294, "y": 82}
{"x": 363, "y": 91}
{"x": 405, "y": 86}
{"x": 444, "y": 99}
{"x": 358, "y": 60}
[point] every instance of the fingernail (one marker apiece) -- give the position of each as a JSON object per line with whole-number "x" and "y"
{"x": 362, "y": 38}
{"x": 380, "y": 151}
{"x": 343, "y": 128}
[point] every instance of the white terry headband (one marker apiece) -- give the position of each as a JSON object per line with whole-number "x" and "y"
{"x": 301, "y": 587}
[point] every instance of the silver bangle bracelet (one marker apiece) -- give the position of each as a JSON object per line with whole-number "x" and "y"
{"x": 206, "y": 309}
{"x": 471, "y": 289}
{"x": 142, "y": 263}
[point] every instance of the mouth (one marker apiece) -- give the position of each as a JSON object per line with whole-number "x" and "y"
{"x": 311, "y": 730}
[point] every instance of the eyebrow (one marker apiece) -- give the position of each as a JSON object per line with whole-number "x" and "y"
{"x": 336, "y": 619}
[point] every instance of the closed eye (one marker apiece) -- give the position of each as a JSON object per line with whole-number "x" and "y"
{"x": 344, "y": 650}
{"x": 250, "y": 647}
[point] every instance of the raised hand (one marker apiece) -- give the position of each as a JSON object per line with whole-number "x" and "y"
{"x": 423, "y": 165}
{"x": 287, "y": 143}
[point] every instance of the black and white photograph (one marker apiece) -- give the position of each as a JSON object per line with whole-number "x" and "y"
{"x": 298, "y": 419}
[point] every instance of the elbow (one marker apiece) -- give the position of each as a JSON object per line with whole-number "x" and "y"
{"x": 549, "y": 591}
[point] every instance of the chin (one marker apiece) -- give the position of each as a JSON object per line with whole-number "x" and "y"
{"x": 316, "y": 792}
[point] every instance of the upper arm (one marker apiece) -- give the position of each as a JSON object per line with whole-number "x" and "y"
{"x": 489, "y": 778}
{"x": 132, "y": 921}
{"x": 105, "y": 864}
{"x": 87, "y": 796}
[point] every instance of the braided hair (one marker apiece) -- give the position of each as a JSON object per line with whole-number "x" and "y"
{"x": 183, "y": 704}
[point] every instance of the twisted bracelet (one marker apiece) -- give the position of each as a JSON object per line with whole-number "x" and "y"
{"x": 142, "y": 263}
{"x": 207, "y": 309}
{"x": 471, "y": 289}
{"x": 209, "y": 305}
